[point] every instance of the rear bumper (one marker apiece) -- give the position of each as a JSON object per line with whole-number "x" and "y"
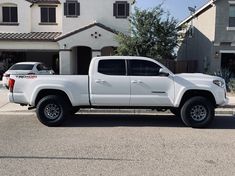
{"x": 10, "y": 97}
{"x": 18, "y": 98}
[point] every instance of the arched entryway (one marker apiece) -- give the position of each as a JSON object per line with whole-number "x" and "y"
{"x": 84, "y": 55}
{"x": 108, "y": 51}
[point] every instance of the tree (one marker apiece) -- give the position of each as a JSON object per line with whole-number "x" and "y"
{"x": 153, "y": 34}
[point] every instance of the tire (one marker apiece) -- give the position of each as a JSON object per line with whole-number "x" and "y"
{"x": 51, "y": 110}
{"x": 175, "y": 111}
{"x": 197, "y": 112}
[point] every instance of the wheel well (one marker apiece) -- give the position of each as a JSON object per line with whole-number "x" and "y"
{"x": 47, "y": 92}
{"x": 202, "y": 93}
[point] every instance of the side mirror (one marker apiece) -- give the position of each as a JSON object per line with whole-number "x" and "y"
{"x": 163, "y": 72}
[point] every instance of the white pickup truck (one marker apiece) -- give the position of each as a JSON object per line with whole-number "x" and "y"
{"x": 121, "y": 82}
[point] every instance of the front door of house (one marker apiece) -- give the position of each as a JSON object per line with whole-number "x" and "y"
{"x": 84, "y": 55}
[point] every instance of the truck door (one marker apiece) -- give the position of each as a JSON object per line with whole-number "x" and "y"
{"x": 109, "y": 84}
{"x": 148, "y": 88}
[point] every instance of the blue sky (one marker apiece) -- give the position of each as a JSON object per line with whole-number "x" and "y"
{"x": 177, "y": 8}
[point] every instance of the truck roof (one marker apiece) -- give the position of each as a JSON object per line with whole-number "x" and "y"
{"x": 123, "y": 57}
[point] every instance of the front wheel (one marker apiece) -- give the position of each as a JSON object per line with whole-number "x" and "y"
{"x": 51, "y": 110}
{"x": 197, "y": 112}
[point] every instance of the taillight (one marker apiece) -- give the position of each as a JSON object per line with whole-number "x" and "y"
{"x": 6, "y": 75}
{"x": 11, "y": 84}
{"x": 31, "y": 73}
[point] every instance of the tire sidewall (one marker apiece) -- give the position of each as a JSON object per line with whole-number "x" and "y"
{"x": 189, "y": 121}
{"x": 42, "y": 105}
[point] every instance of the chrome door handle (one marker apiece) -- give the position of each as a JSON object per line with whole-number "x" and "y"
{"x": 136, "y": 81}
{"x": 99, "y": 81}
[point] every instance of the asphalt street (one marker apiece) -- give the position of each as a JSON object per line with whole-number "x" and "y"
{"x": 115, "y": 145}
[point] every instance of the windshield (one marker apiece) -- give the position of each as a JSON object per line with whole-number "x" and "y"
{"x": 22, "y": 67}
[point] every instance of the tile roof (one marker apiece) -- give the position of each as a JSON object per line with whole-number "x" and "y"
{"x": 34, "y": 36}
{"x": 44, "y": 1}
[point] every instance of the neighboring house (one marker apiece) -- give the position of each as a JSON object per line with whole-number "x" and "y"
{"x": 208, "y": 36}
{"x": 64, "y": 34}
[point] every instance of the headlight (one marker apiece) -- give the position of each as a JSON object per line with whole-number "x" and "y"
{"x": 219, "y": 83}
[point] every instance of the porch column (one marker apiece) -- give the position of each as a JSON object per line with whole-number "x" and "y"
{"x": 96, "y": 53}
{"x": 65, "y": 62}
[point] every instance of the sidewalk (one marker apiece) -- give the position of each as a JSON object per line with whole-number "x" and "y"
{"x": 6, "y": 108}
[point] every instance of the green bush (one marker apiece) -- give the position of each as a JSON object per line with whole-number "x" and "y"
{"x": 232, "y": 85}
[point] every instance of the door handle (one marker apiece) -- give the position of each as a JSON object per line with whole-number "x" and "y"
{"x": 136, "y": 81}
{"x": 99, "y": 81}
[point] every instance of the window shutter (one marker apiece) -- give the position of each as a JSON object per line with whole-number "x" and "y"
{"x": 115, "y": 9}
{"x": 65, "y": 9}
{"x": 78, "y": 8}
{"x": 127, "y": 9}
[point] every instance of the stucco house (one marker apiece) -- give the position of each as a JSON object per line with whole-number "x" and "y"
{"x": 64, "y": 34}
{"x": 208, "y": 35}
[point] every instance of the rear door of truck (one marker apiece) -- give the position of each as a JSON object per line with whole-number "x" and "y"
{"x": 109, "y": 83}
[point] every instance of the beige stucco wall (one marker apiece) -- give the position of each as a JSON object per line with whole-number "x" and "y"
{"x": 24, "y": 16}
{"x": 36, "y": 19}
{"x": 28, "y": 45}
{"x": 84, "y": 38}
{"x": 91, "y": 11}
{"x": 200, "y": 45}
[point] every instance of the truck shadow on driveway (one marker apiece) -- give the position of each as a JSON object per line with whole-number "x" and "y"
{"x": 114, "y": 120}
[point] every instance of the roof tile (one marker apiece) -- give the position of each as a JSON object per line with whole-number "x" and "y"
{"x": 44, "y": 1}
{"x": 43, "y": 36}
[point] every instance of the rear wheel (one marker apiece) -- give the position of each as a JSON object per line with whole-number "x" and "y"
{"x": 197, "y": 112}
{"x": 51, "y": 110}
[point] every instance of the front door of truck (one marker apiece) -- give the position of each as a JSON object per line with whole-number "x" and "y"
{"x": 109, "y": 84}
{"x": 148, "y": 87}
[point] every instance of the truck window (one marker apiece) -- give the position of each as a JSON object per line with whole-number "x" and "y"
{"x": 112, "y": 67}
{"x": 41, "y": 67}
{"x": 143, "y": 68}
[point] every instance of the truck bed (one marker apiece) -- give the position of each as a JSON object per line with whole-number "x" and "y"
{"x": 75, "y": 86}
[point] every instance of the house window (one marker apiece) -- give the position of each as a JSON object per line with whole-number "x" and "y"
{"x": 232, "y": 16}
{"x": 71, "y": 8}
{"x": 9, "y": 14}
{"x": 48, "y": 14}
{"x": 121, "y": 9}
